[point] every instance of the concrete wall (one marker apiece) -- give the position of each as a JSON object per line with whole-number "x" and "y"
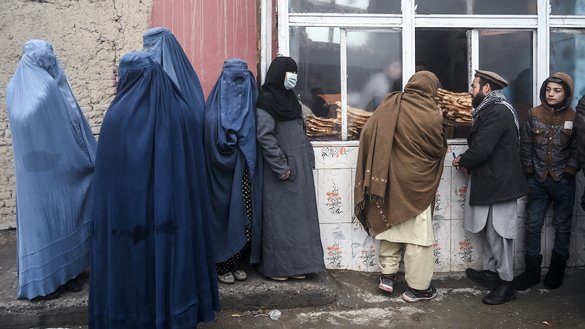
{"x": 88, "y": 37}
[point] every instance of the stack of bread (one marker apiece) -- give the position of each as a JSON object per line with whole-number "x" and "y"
{"x": 356, "y": 119}
{"x": 455, "y": 106}
{"x": 321, "y": 127}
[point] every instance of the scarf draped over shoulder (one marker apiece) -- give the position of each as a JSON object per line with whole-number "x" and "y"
{"x": 400, "y": 159}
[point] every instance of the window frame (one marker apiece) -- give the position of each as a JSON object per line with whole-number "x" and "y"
{"x": 408, "y": 21}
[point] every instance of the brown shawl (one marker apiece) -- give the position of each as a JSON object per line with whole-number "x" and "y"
{"x": 400, "y": 160}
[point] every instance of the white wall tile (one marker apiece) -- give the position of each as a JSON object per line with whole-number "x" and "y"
{"x": 336, "y": 240}
{"x": 578, "y": 238}
{"x": 364, "y": 250}
{"x": 442, "y": 245}
{"x": 335, "y": 196}
{"x": 443, "y": 197}
{"x": 458, "y": 189}
{"x": 548, "y": 239}
{"x": 519, "y": 245}
{"x": 465, "y": 248}
{"x": 340, "y": 157}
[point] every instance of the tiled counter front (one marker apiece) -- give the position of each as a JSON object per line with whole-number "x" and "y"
{"x": 347, "y": 246}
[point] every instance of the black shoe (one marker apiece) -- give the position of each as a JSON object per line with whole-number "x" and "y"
{"x": 504, "y": 292}
{"x": 531, "y": 276}
{"x": 387, "y": 282}
{"x": 487, "y": 279}
{"x": 556, "y": 272}
{"x": 414, "y": 295}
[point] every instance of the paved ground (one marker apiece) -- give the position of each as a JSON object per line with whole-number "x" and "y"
{"x": 335, "y": 299}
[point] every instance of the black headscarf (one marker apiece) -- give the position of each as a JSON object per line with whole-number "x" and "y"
{"x": 282, "y": 104}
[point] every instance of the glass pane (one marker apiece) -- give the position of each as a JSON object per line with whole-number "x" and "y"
{"x": 374, "y": 69}
{"x": 567, "y": 54}
{"x": 345, "y": 6}
{"x": 568, "y": 7}
{"x": 317, "y": 51}
{"x": 444, "y": 52}
{"x": 509, "y": 53}
{"x": 477, "y": 7}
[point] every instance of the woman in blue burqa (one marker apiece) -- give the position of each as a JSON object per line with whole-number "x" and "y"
{"x": 234, "y": 181}
{"x": 291, "y": 243}
{"x": 54, "y": 153}
{"x": 152, "y": 265}
{"x": 164, "y": 48}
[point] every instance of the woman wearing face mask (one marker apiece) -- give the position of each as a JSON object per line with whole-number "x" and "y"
{"x": 291, "y": 243}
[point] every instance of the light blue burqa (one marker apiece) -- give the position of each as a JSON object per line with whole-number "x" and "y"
{"x": 54, "y": 152}
{"x": 164, "y": 48}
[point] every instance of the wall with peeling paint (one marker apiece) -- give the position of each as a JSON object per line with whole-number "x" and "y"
{"x": 210, "y": 32}
{"x": 88, "y": 37}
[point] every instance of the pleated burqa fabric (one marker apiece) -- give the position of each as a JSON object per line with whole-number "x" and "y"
{"x": 54, "y": 152}
{"x": 152, "y": 264}
{"x": 230, "y": 148}
{"x": 164, "y": 48}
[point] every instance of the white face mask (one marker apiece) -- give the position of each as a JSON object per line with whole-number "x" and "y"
{"x": 290, "y": 80}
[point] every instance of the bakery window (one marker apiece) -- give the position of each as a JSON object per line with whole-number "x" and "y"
{"x": 568, "y": 7}
{"x": 345, "y": 6}
{"x": 477, "y": 7}
{"x": 345, "y": 48}
{"x": 567, "y": 54}
{"x": 317, "y": 52}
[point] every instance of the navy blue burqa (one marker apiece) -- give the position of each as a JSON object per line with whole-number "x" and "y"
{"x": 230, "y": 147}
{"x": 166, "y": 50}
{"x": 152, "y": 264}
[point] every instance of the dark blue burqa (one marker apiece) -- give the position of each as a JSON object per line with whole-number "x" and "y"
{"x": 164, "y": 48}
{"x": 230, "y": 147}
{"x": 152, "y": 264}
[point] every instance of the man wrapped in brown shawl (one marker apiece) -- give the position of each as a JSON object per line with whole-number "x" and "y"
{"x": 400, "y": 162}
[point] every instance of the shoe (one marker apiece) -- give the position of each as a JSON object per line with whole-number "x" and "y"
{"x": 298, "y": 277}
{"x": 226, "y": 278}
{"x": 531, "y": 275}
{"x": 504, "y": 292}
{"x": 240, "y": 275}
{"x": 414, "y": 295}
{"x": 279, "y": 278}
{"x": 387, "y": 282}
{"x": 556, "y": 272}
{"x": 484, "y": 278}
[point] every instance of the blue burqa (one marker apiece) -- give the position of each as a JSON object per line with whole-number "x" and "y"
{"x": 230, "y": 147}
{"x": 152, "y": 264}
{"x": 54, "y": 152}
{"x": 164, "y": 48}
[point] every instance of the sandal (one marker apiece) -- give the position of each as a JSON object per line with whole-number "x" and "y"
{"x": 240, "y": 275}
{"x": 226, "y": 278}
